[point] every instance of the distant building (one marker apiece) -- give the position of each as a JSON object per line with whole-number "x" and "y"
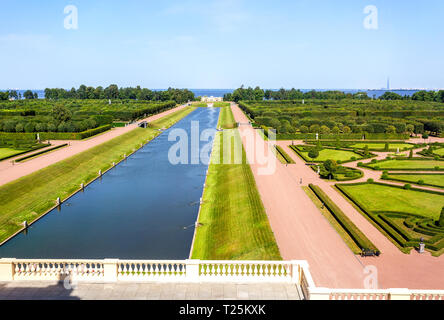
{"x": 212, "y": 99}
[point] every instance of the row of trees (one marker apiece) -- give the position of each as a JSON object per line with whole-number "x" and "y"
{"x": 258, "y": 94}
{"x": 114, "y": 92}
{"x": 13, "y": 94}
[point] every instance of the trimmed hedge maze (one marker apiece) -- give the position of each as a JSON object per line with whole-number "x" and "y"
{"x": 404, "y": 216}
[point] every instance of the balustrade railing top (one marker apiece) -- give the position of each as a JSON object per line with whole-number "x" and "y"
{"x": 113, "y": 270}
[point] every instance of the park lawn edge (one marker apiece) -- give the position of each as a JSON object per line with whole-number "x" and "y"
{"x": 70, "y": 188}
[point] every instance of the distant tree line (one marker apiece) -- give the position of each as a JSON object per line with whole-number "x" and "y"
{"x": 114, "y": 92}
{"x": 258, "y": 94}
{"x": 12, "y": 94}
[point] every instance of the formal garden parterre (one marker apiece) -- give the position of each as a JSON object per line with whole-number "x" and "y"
{"x": 405, "y": 215}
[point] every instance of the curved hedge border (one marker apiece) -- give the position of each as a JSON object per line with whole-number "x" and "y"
{"x": 352, "y": 230}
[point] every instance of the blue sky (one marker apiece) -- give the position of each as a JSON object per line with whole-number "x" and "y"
{"x": 222, "y": 44}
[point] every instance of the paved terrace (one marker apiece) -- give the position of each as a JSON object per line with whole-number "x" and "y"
{"x": 147, "y": 291}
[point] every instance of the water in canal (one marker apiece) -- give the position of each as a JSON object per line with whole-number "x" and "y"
{"x": 144, "y": 208}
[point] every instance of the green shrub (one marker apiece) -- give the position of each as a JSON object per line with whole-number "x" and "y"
{"x": 407, "y": 186}
{"x": 349, "y": 227}
{"x": 441, "y": 218}
{"x": 370, "y": 180}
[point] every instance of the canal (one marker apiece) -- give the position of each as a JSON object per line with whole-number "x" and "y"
{"x": 144, "y": 208}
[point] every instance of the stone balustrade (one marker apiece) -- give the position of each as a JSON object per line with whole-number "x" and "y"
{"x": 200, "y": 271}
{"x": 112, "y": 270}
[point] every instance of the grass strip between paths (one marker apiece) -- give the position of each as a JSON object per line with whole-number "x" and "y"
{"x": 28, "y": 198}
{"x": 233, "y": 222}
{"x": 226, "y": 118}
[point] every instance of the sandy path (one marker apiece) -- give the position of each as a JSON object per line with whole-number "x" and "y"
{"x": 395, "y": 269}
{"x": 10, "y": 172}
{"x": 301, "y": 231}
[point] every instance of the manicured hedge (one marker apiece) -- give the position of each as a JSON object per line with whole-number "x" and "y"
{"x": 36, "y": 147}
{"x": 41, "y": 152}
{"x": 352, "y": 230}
{"x": 284, "y": 155}
{"x": 74, "y": 135}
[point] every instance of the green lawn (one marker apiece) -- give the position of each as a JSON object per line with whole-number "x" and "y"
{"x": 407, "y": 164}
{"x": 381, "y": 146}
{"x": 226, "y": 118}
{"x": 234, "y": 225}
{"x": 439, "y": 151}
{"x": 333, "y": 154}
{"x": 29, "y": 197}
{"x": 377, "y": 197}
{"x": 8, "y": 152}
{"x": 429, "y": 179}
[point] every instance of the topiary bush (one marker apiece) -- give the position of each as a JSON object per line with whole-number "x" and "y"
{"x": 370, "y": 180}
{"x": 407, "y": 186}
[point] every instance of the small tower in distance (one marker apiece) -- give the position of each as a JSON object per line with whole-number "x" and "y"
{"x": 388, "y": 83}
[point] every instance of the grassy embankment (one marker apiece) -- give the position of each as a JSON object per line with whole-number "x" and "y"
{"x": 31, "y": 196}
{"x": 233, "y": 222}
{"x": 226, "y": 118}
